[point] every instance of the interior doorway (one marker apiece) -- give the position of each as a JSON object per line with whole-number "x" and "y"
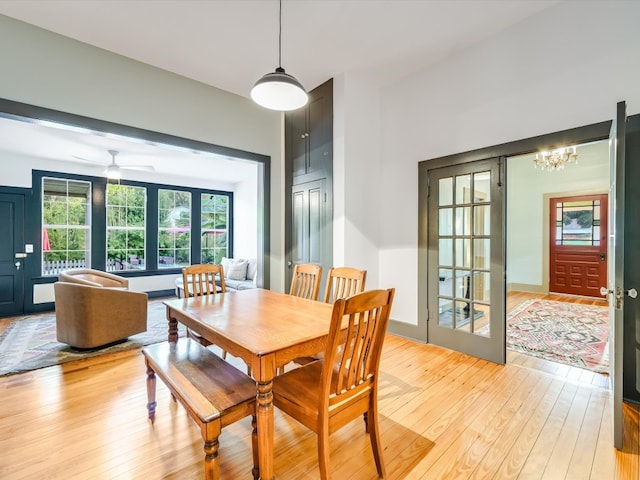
{"x": 537, "y": 202}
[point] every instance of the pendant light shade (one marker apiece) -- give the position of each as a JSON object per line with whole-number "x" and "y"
{"x": 279, "y": 90}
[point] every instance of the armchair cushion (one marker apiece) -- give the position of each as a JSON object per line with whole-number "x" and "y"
{"x": 94, "y": 278}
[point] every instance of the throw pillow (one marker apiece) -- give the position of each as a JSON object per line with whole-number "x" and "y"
{"x": 237, "y": 269}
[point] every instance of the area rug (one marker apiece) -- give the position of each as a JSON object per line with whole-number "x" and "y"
{"x": 30, "y": 342}
{"x": 566, "y": 333}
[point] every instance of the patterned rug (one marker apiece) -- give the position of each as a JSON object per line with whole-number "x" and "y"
{"x": 567, "y": 333}
{"x": 30, "y": 342}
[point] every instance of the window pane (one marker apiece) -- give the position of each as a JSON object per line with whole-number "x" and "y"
{"x": 66, "y": 225}
{"x": 481, "y": 186}
{"x": 174, "y": 232}
{"x": 126, "y": 226}
{"x": 445, "y": 191}
{"x": 214, "y": 227}
{"x": 463, "y": 189}
{"x": 463, "y": 221}
{"x": 482, "y": 220}
{"x": 445, "y": 252}
{"x": 445, "y": 222}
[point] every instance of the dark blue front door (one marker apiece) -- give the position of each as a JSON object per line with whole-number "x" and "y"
{"x": 11, "y": 243}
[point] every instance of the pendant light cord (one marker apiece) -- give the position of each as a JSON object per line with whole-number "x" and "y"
{"x": 280, "y": 38}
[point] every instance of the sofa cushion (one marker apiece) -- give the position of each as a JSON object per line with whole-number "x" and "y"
{"x": 236, "y": 269}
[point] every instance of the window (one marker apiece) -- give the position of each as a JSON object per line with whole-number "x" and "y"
{"x": 126, "y": 223}
{"x": 215, "y": 227}
{"x": 174, "y": 228}
{"x": 66, "y": 225}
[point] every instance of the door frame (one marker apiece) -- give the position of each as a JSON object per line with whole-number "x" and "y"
{"x": 584, "y": 134}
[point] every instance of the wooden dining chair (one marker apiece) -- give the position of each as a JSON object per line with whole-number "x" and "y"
{"x": 198, "y": 280}
{"x": 306, "y": 281}
{"x": 342, "y": 282}
{"x": 327, "y": 394}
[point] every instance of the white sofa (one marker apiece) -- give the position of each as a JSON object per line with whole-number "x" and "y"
{"x": 239, "y": 274}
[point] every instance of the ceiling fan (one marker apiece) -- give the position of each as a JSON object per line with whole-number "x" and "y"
{"x": 113, "y": 170}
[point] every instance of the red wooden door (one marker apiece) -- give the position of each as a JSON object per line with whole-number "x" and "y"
{"x": 578, "y": 245}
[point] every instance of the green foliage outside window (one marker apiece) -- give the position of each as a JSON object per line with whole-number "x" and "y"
{"x": 66, "y": 224}
{"x": 215, "y": 227}
{"x": 126, "y": 223}
{"x": 174, "y": 228}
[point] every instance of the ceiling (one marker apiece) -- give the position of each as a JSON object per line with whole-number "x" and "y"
{"x": 229, "y": 44}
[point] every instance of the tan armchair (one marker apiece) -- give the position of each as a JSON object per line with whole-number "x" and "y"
{"x": 94, "y": 309}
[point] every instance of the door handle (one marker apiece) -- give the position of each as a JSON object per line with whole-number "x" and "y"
{"x": 603, "y": 256}
{"x": 289, "y": 264}
{"x": 631, "y": 293}
{"x": 18, "y": 265}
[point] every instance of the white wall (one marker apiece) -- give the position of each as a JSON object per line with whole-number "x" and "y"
{"x": 528, "y": 193}
{"x": 565, "y": 68}
{"x": 52, "y": 71}
{"x": 356, "y": 164}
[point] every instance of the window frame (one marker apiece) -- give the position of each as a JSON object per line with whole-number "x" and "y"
{"x": 98, "y": 216}
{"x": 127, "y": 261}
{"x": 47, "y": 228}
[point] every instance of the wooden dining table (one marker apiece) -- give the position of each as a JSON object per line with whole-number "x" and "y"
{"x": 264, "y": 328}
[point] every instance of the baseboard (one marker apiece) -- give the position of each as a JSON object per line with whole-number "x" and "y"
{"x": 526, "y": 287}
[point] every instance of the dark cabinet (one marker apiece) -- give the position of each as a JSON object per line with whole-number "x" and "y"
{"x": 309, "y": 181}
{"x": 309, "y": 135}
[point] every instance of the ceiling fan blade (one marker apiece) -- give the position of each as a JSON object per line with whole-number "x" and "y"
{"x": 95, "y": 162}
{"x": 146, "y": 168}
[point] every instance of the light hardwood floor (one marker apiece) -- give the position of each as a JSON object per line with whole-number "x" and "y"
{"x": 443, "y": 415}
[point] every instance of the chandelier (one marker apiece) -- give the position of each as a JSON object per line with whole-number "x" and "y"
{"x": 555, "y": 159}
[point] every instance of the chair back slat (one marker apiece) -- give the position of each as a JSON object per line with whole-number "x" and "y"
{"x": 306, "y": 281}
{"x": 343, "y": 282}
{"x": 201, "y": 280}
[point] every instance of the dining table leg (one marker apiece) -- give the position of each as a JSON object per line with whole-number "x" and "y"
{"x": 173, "y": 327}
{"x": 264, "y": 414}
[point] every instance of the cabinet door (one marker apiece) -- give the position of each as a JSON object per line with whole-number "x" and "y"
{"x": 296, "y": 140}
{"x": 308, "y": 219}
{"x": 320, "y": 133}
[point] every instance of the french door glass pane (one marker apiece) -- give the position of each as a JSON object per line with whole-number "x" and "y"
{"x": 463, "y": 252}
{"x": 445, "y": 189}
{"x": 481, "y": 186}
{"x": 445, "y": 252}
{"x": 445, "y": 223}
{"x": 463, "y": 221}
{"x": 481, "y": 220}
{"x": 481, "y": 253}
{"x": 463, "y": 189}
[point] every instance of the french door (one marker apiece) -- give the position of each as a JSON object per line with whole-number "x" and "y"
{"x": 466, "y": 289}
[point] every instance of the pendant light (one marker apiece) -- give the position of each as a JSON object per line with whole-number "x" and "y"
{"x": 279, "y": 90}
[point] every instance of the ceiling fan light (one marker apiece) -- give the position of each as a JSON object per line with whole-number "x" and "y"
{"x": 279, "y": 91}
{"x": 113, "y": 172}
